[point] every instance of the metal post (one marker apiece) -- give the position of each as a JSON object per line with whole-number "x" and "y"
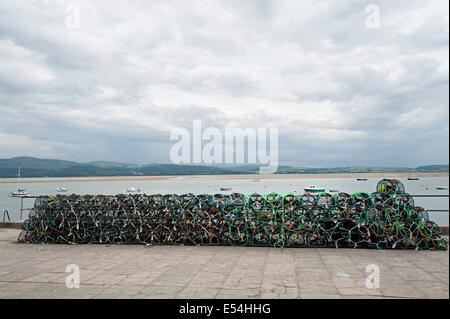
{"x": 21, "y": 208}
{"x": 431, "y": 195}
{"x": 6, "y": 213}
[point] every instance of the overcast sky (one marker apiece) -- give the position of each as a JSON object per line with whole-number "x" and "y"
{"x": 111, "y": 84}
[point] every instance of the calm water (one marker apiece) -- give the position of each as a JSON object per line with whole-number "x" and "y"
{"x": 179, "y": 185}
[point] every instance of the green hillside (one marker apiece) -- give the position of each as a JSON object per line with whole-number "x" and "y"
{"x": 433, "y": 168}
{"x": 35, "y": 167}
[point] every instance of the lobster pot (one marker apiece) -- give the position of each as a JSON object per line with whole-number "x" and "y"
{"x": 385, "y": 219}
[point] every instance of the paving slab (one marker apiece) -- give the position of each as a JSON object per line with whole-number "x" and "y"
{"x": 203, "y": 272}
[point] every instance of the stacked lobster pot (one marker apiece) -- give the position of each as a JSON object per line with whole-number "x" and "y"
{"x": 385, "y": 219}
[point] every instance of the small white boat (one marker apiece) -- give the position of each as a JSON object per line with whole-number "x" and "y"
{"x": 133, "y": 190}
{"x": 314, "y": 189}
{"x": 61, "y": 189}
{"x": 443, "y": 188}
{"x": 20, "y": 192}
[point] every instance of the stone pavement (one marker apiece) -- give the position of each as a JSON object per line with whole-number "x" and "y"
{"x": 133, "y": 271}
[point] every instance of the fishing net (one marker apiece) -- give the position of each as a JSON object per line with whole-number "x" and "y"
{"x": 385, "y": 219}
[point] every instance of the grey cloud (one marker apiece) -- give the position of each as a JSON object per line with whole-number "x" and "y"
{"x": 340, "y": 93}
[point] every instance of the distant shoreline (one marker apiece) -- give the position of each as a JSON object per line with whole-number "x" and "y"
{"x": 224, "y": 176}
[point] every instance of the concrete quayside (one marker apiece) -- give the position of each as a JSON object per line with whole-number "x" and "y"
{"x": 157, "y": 271}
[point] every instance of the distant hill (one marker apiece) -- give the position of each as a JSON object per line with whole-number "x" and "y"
{"x": 433, "y": 168}
{"x": 35, "y": 163}
{"x": 36, "y": 167}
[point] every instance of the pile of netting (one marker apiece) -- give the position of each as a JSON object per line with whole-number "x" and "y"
{"x": 386, "y": 218}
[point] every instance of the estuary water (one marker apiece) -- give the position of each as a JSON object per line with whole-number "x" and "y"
{"x": 198, "y": 185}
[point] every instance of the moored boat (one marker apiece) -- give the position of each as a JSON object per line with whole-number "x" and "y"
{"x": 314, "y": 189}
{"x": 20, "y": 192}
